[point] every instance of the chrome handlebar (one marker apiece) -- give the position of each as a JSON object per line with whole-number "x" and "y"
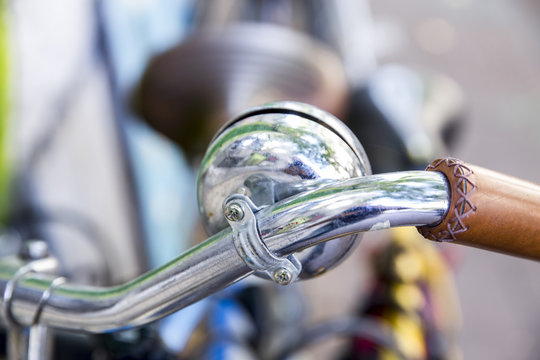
{"x": 290, "y": 178}
{"x": 286, "y": 227}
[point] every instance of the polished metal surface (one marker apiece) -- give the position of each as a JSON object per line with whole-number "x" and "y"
{"x": 356, "y": 205}
{"x": 17, "y": 344}
{"x": 301, "y": 221}
{"x": 35, "y": 344}
{"x": 250, "y": 246}
{"x": 192, "y": 276}
{"x": 40, "y": 341}
{"x": 271, "y": 152}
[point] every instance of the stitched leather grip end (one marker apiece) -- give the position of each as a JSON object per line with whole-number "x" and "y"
{"x": 488, "y": 210}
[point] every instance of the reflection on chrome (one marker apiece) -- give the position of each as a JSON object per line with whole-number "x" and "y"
{"x": 272, "y": 152}
{"x": 296, "y": 223}
{"x": 351, "y": 206}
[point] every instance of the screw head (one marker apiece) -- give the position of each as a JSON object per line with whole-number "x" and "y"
{"x": 282, "y": 276}
{"x": 234, "y": 212}
{"x": 34, "y": 250}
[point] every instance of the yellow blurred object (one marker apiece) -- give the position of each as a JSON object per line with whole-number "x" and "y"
{"x": 409, "y": 334}
{"x": 408, "y": 296}
{"x": 388, "y": 355}
{"x": 408, "y": 266}
{"x": 437, "y": 276}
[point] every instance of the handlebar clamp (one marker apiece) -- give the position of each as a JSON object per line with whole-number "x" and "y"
{"x": 239, "y": 212}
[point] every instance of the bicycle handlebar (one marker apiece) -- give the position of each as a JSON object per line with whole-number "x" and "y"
{"x": 296, "y": 223}
{"x": 488, "y": 210}
{"x": 471, "y": 205}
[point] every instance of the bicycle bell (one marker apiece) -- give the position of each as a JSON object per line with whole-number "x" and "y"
{"x": 271, "y": 152}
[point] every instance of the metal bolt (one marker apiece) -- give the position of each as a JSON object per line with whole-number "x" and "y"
{"x": 34, "y": 250}
{"x": 282, "y": 276}
{"x": 234, "y": 212}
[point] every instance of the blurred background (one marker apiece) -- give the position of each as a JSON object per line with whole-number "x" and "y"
{"x": 492, "y": 51}
{"x": 106, "y": 108}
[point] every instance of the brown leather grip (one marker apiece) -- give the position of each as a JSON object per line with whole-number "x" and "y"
{"x": 488, "y": 210}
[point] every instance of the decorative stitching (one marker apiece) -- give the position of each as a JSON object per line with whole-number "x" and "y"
{"x": 463, "y": 208}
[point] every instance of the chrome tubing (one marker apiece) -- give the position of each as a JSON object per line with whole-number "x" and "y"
{"x": 294, "y": 224}
{"x": 194, "y": 275}
{"x": 362, "y": 204}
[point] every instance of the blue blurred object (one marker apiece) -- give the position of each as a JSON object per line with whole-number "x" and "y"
{"x": 166, "y": 188}
{"x": 165, "y": 183}
{"x": 139, "y": 29}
